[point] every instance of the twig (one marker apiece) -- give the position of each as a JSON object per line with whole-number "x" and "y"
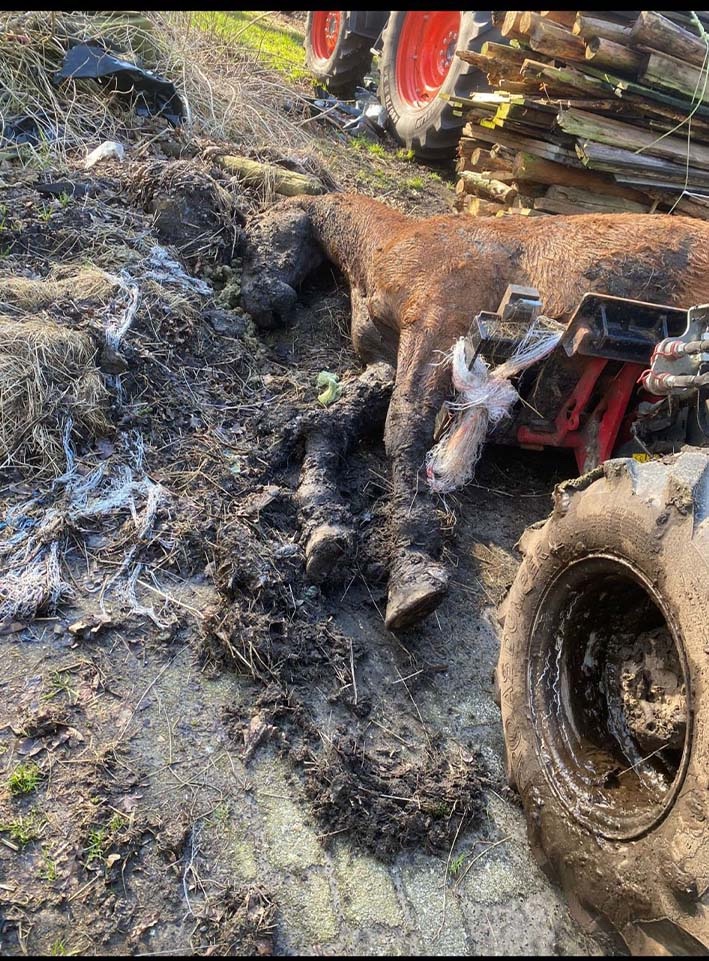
{"x": 478, "y": 856}
{"x": 445, "y": 880}
{"x": 352, "y": 669}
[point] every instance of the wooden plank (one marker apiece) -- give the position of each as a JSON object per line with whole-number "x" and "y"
{"x": 653, "y": 30}
{"x": 595, "y": 198}
{"x": 667, "y": 71}
{"x": 569, "y": 200}
{"x": 588, "y": 126}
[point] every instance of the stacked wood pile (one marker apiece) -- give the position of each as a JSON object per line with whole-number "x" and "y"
{"x": 589, "y": 112}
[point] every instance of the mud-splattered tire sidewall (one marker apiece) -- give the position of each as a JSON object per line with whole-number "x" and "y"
{"x": 654, "y": 518}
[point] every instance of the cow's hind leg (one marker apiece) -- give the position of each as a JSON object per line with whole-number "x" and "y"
{"x": 325, "y": 519}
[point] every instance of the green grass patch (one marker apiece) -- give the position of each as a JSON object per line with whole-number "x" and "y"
{"x": 24, "y": 779}
{"x": 369, "y": 146}
{"x": 25, "y": 828}
{"x": 277, "y": 46}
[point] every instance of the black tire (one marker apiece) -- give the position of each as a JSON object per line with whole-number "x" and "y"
{"x": 431, "y": 130}
{"x": 620, "y": 568}
{"x": 345, "y": 68}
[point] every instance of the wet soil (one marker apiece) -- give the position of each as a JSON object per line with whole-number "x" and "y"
{"x": 266, "y": 769}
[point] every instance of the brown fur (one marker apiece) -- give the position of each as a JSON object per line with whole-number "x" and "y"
{"x": 417, "y": 284}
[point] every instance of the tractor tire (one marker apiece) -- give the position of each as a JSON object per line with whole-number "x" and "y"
{"x": 418, "y": 63}
{"x": 603, "y": 680}
{"x": 336, "y": 56}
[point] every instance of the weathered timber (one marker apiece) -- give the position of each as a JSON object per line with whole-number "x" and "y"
{"x": 529, "y": 21}
{"x": 587, "y": 27}
{"x": 689, "y": 207}
{"x": 608, "y": 53}
{"x": 487, "y": 188}
{"x": 554, "y": 41}
{"x": 504, "y": 57}
{"x": 285, "y": 182}
{"x": 525, "y": 114}
{"x": 486, "y": 64}
{"x": 477, "y": 207}
{"x": 616, "y": 160}
{"x": 521, "y": 212}
{"x": 566, "y": 77}
{"x": 528, "y": 167}
{"x": 565, "y": 18}
{"x": 511, "y": 24}
{"x": 561, "y": 200}
{"x": 667, "y": 71}
{"x": 588, "y": 126}
{"x": 651, "y": 29}
{"x": 517, "y": 142}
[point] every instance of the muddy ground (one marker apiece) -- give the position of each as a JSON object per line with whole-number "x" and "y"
{"x": 256, "y": 765}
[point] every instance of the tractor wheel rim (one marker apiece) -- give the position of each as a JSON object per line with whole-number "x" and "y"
{"x": 324, "y": 31}
{"x": 426, "y": 50}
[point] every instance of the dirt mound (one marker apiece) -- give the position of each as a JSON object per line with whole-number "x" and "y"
{"x": 191, "y": 211}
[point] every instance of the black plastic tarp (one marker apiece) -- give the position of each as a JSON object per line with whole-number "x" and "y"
{"x": 152, "y": 94}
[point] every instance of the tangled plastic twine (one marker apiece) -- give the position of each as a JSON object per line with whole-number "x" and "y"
{"x": 483, "y": 398}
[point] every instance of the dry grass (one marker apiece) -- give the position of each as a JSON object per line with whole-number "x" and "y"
{"x": 47, "y": 374}
{"x": 227, "y": 77}
{"x": 230, "y": 94}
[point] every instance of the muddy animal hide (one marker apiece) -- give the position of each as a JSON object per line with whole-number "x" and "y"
{"x": 415, "y": 286}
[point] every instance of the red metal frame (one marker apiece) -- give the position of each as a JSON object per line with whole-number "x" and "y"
{"x": 595, "y": 442}
{"x": 324, "y": 31}
{"x": 425, "y": 52}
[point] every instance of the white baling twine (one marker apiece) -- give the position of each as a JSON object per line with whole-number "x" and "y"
{"x": 483, "y": 398}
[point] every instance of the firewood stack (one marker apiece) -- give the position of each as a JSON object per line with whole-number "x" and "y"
{"x": 596, "y": 112}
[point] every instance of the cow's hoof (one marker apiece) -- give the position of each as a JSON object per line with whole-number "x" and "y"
{"x": 416, "y": 587}
{"x": 324, "y": 553}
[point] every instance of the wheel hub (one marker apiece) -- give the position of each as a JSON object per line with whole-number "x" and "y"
{"x": 425, "y": 53}
{"x": 607, "y": 683}
{"x": 324, "y": 31}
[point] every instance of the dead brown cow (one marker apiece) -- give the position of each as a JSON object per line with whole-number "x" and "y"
{"x": 415, "y": 287}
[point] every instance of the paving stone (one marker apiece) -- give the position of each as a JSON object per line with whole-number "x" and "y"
{"x": 307, "y": 907}
{"x": 423, "y": 885}
{"x": 367, "y": 892}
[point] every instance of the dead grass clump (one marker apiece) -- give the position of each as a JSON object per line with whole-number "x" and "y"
{"x": 228, "y": 93}
{"x": 48, "y": 376}
{"x": 24, "y": 294}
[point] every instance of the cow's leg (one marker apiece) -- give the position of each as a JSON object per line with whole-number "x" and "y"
{"x": 417, "y": 581}
{"x": 325, "y": 519}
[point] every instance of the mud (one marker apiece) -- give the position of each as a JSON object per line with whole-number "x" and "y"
{"x": 267, "y": 768}
{"x": 653, "y": 693}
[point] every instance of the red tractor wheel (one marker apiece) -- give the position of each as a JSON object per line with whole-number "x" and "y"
{"x": 336, "y": 56}
{"x": 418, "y": 63}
